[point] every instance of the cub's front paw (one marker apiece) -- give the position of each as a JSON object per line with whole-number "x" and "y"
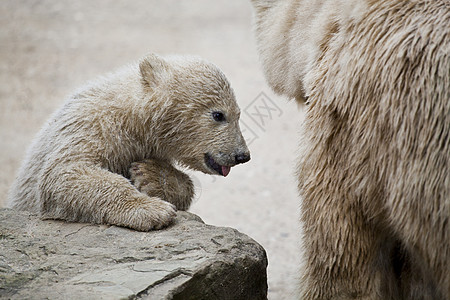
{"x": 157, "y": 178}
{"x": 145, "y": 213}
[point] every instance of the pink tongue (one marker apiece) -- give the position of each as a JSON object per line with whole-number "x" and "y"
{"x": 225, "y": 170}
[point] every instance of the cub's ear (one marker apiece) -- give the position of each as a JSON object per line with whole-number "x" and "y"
{"x": 153, "y": 69}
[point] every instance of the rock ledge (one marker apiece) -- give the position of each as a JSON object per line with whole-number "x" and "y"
{"x": 189, "y": 260}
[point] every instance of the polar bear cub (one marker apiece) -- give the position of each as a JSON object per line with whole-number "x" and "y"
{"x": 107, "y": 155}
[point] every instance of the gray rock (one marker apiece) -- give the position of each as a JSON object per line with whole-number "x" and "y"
{"x": 189, "y": 260}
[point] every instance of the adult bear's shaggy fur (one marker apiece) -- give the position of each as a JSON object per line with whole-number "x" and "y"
{"x": 375, "y": 167}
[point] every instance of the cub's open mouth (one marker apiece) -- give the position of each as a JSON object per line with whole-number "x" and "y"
{"x": 211, "y": 163}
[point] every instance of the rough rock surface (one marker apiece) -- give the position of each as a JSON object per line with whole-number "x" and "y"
{"x": 189, "y": 260}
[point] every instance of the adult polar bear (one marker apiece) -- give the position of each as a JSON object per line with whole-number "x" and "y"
{"x": 374, "y": 172}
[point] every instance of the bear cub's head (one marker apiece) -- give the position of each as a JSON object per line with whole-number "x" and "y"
{"x": 196, "y": 112}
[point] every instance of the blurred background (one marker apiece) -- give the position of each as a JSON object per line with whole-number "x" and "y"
{"x": 48, "y": 49}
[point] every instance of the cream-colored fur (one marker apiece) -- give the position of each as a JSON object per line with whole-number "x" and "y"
{"x": 290, "y": 36}
{"x": 132, "y": 125}
{"x": 158, "y": 178}
{"x": 374, "y": 171}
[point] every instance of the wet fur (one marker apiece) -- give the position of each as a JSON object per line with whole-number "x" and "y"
{"x": 374, "y": 170}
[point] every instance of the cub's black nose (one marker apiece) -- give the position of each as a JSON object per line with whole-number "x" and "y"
{"x": 242, "y": 158}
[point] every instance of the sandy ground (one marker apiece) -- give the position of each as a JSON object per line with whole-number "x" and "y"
{"x": 49, "y": 48}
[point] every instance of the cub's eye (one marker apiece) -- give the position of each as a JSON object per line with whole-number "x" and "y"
{"x": 218, "y": 116}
